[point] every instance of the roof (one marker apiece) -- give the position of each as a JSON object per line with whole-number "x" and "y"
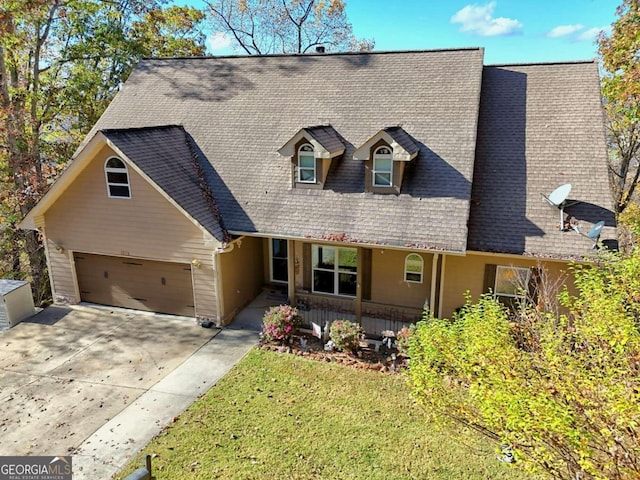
{"x": 7, "y": 286}
{"x": 241, "y": 110}
{"x": 327, "y": 142}
{"x": 404, "y": 148}
{"x": 485, "y": 142}
{"x": 167, "y": 156}
{"x": 540, "y": 126}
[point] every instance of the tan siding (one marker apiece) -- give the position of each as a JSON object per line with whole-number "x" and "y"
{"x": 147, "y": 226}
{"x": 60, "y": 263}
{"x": 242, "y": 273}
{"x": 467, "y": 274}
{"x": 387, "y": 279}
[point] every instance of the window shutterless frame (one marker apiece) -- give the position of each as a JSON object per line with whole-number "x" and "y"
{"x": 511, "y": 282}
{"x": 334, "y": 270}
{"x": 306, "y": 164}
{"x": 413, "y": 268}
{"x": 382, "y": 174}
{"x": 116, "y": 175}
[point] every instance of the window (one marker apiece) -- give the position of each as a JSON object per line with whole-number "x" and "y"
{"x": 117, "y": 177}
{"x": 335, "y": 270}
{"x": 413, "y": 268}
{"x": 511, "y": 285}
{"x": 279, "y": 262}
{"x": 306, "y": 164}
{"x": 382, "y": 167}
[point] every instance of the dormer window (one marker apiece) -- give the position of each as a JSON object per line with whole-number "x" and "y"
{"x": 386, "y": 155}
{"x": 311, "y": 152}
{"x": 306, "y": 164}
{"x": 117, "y": 177}
{"x": 382, "y": 167}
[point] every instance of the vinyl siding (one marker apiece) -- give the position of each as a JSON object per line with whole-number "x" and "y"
{"x": 242, "y": 273}
{"x": 466, "y": 273}
{"x": 387, "y": 279}
{"x": 146, "y": 226}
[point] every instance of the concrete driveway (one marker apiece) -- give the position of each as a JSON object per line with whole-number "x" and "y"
{"x": 69, "y": 370}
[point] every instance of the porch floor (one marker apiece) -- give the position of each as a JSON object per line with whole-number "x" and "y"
{"x": 250, "y": 318}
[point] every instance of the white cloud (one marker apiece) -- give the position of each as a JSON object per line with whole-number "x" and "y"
{"x": 479, "y": 20}
{"x": 564, "y": 30}
{"x": 591, "y": 34}
{"x": 218, "y": 41}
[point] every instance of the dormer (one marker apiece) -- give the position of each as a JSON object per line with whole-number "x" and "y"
{"x": 311, "y": 151}
{"x": 385, "y": 155}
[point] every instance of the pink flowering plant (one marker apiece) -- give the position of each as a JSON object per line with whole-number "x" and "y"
{"x": 402, "y": 339}
{"x": 279, "y": 323}
{"x": 346, "y": 335}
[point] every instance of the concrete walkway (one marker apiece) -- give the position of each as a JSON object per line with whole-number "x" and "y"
{"x": 107, "y": 451}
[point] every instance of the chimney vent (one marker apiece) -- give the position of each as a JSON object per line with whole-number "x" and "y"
{"x": 320, "y": 49}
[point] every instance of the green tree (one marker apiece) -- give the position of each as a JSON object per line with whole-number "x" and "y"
{"x": 561, "y": 390}
{"x": 61, "y": 62}
{"x": 621, "y": 92}
{"x": 261, "y": 27}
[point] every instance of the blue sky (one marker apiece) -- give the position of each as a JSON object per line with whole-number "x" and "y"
{"x": 511, "y": 31}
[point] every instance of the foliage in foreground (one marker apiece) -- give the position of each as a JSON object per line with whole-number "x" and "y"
{"x": 61, "y": 63}
{"x": 562, "y": 391}
{"x": 283, "y": 416}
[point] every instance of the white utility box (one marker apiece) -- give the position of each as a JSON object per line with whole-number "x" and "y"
{"x": 16, "y": 302}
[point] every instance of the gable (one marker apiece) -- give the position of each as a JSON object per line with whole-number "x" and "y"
{"x": 84, "y": 218}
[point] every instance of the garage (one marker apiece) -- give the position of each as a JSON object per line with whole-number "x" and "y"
{"x": 135, "y": 283}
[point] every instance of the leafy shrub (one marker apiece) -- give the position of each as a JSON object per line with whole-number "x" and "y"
{"x": 279, "y": 323}
{"x": 562, "y": 390}
{"x": 346, "y": 335}
{"x": 402, "y": 339}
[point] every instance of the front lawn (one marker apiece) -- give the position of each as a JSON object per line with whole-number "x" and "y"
{"x": 282, "y": 416}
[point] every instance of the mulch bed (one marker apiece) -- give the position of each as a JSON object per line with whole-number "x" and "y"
{"x": 385, "y": 360}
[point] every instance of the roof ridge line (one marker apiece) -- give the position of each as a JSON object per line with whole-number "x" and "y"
{"x": 314, "y": 54}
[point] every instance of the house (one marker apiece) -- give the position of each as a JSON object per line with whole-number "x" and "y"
{"x": 368, "y": 183}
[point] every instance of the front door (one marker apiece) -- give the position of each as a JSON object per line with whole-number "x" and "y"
{"x": 279, "y": 263}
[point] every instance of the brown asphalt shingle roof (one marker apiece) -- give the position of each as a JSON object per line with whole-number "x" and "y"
{"x": 540, "y": 126}
{"x": 166, "y": 156}
{"x": 537, "y": 126}
{"x": 241, "y": 110}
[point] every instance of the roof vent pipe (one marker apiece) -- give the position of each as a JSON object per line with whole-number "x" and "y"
{"x": 320, "y": 49}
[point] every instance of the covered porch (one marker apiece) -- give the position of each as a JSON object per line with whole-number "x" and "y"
{"x": 380, "y": 288}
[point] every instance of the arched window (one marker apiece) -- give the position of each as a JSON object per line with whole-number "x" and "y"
{"x": 382, "y": 167}
{"x": 306, "y": 164}
{"x": 413, "y": 268}
{"x": 117, "y": 177}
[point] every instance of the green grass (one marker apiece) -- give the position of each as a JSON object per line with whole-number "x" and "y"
{"x": 282, "y": 416}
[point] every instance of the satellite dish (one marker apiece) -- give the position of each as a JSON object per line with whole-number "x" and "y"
{"x": 558, "y": 199}
{"x": 594, "y": 232}
{"x": 559, "y": 195}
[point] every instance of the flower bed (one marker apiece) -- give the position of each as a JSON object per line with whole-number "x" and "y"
{"x": 366, "y": 359}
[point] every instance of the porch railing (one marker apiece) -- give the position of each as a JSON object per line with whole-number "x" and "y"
{"x": 376, "y": 317}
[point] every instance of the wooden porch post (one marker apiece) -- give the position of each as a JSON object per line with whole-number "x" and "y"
{"x": 291, "y": 272}
{"x": 434, "y": 281}
{"x": 444, "y": 258}
{"x": 359, "y": 280}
